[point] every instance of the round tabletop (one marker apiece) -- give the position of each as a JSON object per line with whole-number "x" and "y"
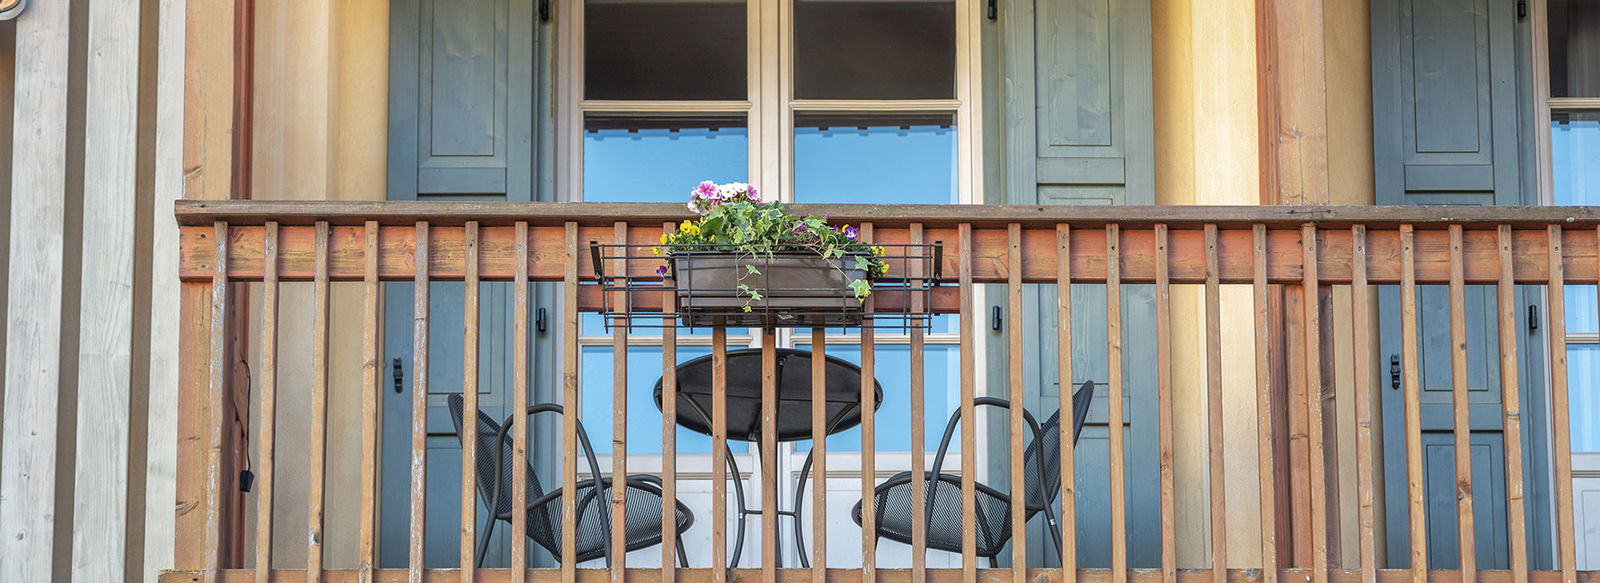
{"x": 842, "y": 394}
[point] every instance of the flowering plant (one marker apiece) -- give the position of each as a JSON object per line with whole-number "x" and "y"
{"x": 735, "y": 220}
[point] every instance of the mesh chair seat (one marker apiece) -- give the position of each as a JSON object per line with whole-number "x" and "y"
{"x": 643, "y": 521}
{"x": 892, "y": 506}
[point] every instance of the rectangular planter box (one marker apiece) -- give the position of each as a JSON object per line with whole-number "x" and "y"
{"x": 795, "y": 288}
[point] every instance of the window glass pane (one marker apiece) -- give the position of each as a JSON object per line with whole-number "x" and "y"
{"x": 664, "y": 50}
{"x": 1583, "y": 372}
{"x": 1574, "y": 146}
{"x": 883, "y": 159}
{"x": 644, "y": 417}
{"x": 658, "y": 159}
{"x": 940, "y": 397}
{"x": 846, "y": 49}
{"x": 1574, "y": 48}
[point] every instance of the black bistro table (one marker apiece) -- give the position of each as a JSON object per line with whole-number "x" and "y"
{"x": 842, "y": 404}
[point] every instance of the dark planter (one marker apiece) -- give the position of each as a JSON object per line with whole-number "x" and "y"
{"x": 795, "y": 288}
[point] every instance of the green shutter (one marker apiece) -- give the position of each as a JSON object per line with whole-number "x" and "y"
{"x": 1444, "y": 102}
{"x": 461, "y": 95}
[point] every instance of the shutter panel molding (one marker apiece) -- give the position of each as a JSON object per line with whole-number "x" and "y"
{"x": 461, "y": 93}
{"x": 1078, "y": 102}
{"x": 1444, "y": 102}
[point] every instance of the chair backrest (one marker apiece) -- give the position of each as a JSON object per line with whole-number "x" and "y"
{"x": 489, "y": 459}
{"x": 1050, "y": 442}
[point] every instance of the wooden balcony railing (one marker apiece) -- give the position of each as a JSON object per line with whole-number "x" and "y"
{"x": 1359, "y": 249}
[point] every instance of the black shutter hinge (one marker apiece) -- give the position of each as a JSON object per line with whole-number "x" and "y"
{"x": 994, "y": 9}
{"x": 1394, "y": 371}
{"x": 997, "y": 320}
{"x": 544, "y": 10}
{"x": 1533, "y": 317}
{"x": 539, "y": 322}
{"x": 398, "y": 375}
{"x": 1522, "y": 8}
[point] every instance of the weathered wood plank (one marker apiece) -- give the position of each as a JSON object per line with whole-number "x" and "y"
{"x": 366, "y": 546}
{"x": 1511, "y": 411}
{"x": 819, "y": 454}
{"x": 1069, "y": 447}
{"x": 869, "y": 440}
{"x": 1016, "y": 430}
{"x": 1267, "y": 472}
{"x": 1169, "y": 529}
{"x": 316, "y": 472}
{"x": 1411, "y": 388}
{"x": 268, "y": 434}
{"x": 519, "y": 407}
{"x": 1313, "y": 370}
{"x": 419, "y": 408}
{"x": 469, "y": 425}
{"x": 919, "y": 492}
{"x": 1218, "y": 476}
{"x": 697, "y": 575}
{"x": 619, "y": 423}
{"x": 105, "y": 323}
{"x": 1461, "y": 426}
{"x": 769, "y": 454}
{"x": 1560, "y": 422}
{"x": 669, "y": 439}
{"x": 1119, "y": 515}
{"x": 569, "y": 405}
{"x": 33, "y": 291}
{"x": 1186, "y": 250}
{"x": 969, "y": 435}
{"x": 719, "y": 454}
{"x": 1361, "y": 343}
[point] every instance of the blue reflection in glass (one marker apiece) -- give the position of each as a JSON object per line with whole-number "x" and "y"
{"x": 644, "y": 418}
{"x": 1583, "y": 367}
{"x": 882, "y": 163}
{"x": 653, "y": 164}
{"x": 1575, "y": 146}
{"x": 940, "y": 397}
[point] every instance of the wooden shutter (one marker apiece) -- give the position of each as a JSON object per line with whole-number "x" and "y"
{"x": 1444, "y": 102}
{"x": 461, "y": 95}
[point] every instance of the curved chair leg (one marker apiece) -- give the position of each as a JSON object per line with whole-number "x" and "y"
{"x": 994, "y": 561}
{"x": 683, "y": 558}
{"x": 483, "y": 541}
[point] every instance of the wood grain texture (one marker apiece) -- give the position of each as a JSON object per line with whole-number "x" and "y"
{"x": 469, "y": 395}
{"x": 819, "y": 453}
{"x": 371, "y": 302}
{"x": 519, "y": 406}
{"x": 106, "y": 298}
{"x": 1069, "y": 447}
{"x": 316, "y": 472}
{"x": 1411, "y": 388}
{"x": 1164, "y": 421}
{"x": 1267, "y": 471}
{"x": 969, "y": 435}
{"x": 619, "y": 425}
{"x": 1461, "y": 425}
{"x": 1186, "y": 249}
{"x": 1015, "y": 428}
{"x": 569, "y": 406}
{"x": 419, "y": 409}
{"x": 669, "y": 437}
{"x": 1511, "y": 411}
{"x": 1315, "y": 419}
{"x": 719, "y": 455}
{"x": 769, "y": 455}
{"x": 268, "y": 433}
{"x": 869, "y": 439}
{"x": 1560, "y": 416}
{"x": 1218, "y": 477}
{"x": 1119, "y": 513}
{"x": 919, "y": 492}
{"x": 1361, "y": 348}
{"x": 33, "y": 291}
{"x": 216, "y": 409}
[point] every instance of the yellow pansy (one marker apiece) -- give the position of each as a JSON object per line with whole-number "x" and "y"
{"x": 690, "y": 228}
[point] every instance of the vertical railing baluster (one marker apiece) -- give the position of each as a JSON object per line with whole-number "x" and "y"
{"x": 217, "y": 368}
{"x": 469, "y": 395}
{"x": 419, "y": 405}
{"x": 269, "y": 403}
{"x": 569, "y": 407}
{"x": 1361, "y": 344}
{"x": 720, "y": 569}
{"x": 1019, "y": 493}
{"x": 1313, "y": 349}
{"x": 1511, "y": 409}
{"x": 819, "y": 453}
{"x": 1169, "y": 515}
{"x": 1461, "y": 425}
{"x": 869, "y": 514}
{"x": 1218, "y": 482}
{"x": 1267, "y": 466}
{"x": 769, "y": 455}
{"x": 1119, "y": 515}
{"x": 366, "y": 551}
{"x": 316, "y": 470}
{"x": 1069, "y": 447}
{"x": 1413, "y": 404}
{"x": 1561, "y": 425}
{"x": 669, "y": 437}
{"x": 969, "y": 437}
{"x": 519, "y": 404}
{"x": 619, "y": 408}
{"x": 919, "y": 492}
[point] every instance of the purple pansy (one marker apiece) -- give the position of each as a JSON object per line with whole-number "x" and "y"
{"x": 661, "y": 271}
{"x": 851, "y": 232}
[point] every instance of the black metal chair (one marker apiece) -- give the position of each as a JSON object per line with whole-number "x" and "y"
{"x": 1041, "y": 482}
{"x": 593, "y": 528}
